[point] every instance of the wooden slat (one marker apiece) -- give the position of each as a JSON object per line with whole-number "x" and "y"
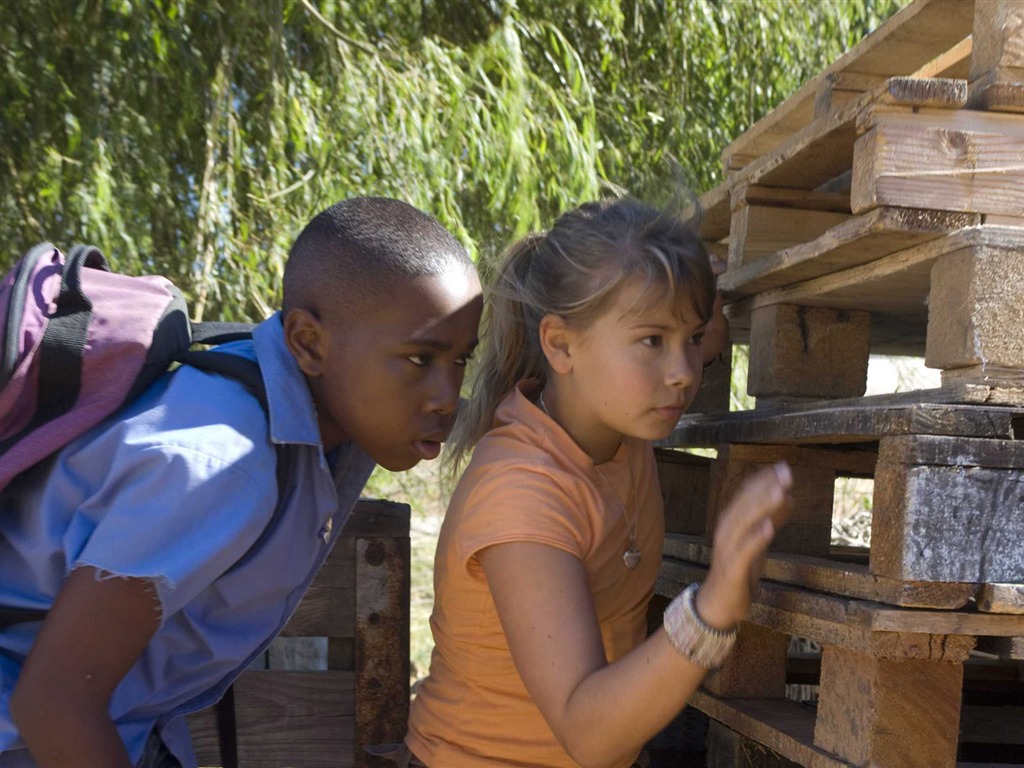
{"x": 1001, "y": 598}
{"x": 782, "y": 726}
{"x": 843, "y": 421}
{"x": 760, "y": 230}
{"x": 298, "y": 719}
{"x": 856, "y": 241}
{"x": 952, "y": 452}
{"x": 860, "y": 625}
{"x": 894, "y": 288}
{"x": 824, "y": 575}
{"x": 947, "y": 160}
{"x": 911, "y": 39}
{"x": 382, "y": 641}
{"x": 716, "y": 213}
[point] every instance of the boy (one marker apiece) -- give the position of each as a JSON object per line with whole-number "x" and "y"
{"x": 154, "y": 541}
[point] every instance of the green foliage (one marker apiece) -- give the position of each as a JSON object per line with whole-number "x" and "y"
{"x": 195, "y": 138}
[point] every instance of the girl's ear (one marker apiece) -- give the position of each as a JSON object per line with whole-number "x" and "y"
{"x": 556, "y": 342}
{"x": 306, "y": 338}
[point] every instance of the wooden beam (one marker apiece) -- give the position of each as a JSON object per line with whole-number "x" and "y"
{"x": 909, "y": 40}
{"x": 975, "y": 313}
{"x": 836, "y": 577}
{"x": 882, "y": 712}
{"x": 947, "y": 523}
{"x": 997, "y": 65}
{"x": 728, "y": 749}
{"x": 808, "y": 352}
{"x": 684, "y": 480}
{"x": 848, "y": 243}
{"x": 948, "y": 160}
{"x": 1001, "y": 598}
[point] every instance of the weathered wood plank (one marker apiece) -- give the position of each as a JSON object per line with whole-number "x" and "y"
{"x": 808, "y": 530}
{"x": 684, "y": 480}
{"x": 328, "y": 607}
{"x": 952, "y": 452}
{"x": 883, "y": 712}
{"x": 859, "y": 240}
{"x": 834, "y": 620}
{"x": 382, "y": 642}
{"x": 758, "y": 231}
{"x": 835, "y": 577}
{"x": 782, "y": 726}
{"x": 948, "y": 160}
{"x": 756, "y": 667}
{"x": 909, "y": 40}
{"x": 714, "y": 203}
{"x": 843, "y": 421}
{"x": 301, "y": 719}
{"x": 1001, "y": 598}
{"x": 948, "y": 523}
{"x": 728, "y": 749}
{"x": 997, "y": 67}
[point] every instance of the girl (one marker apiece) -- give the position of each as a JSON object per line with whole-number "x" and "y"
{"x": 551, "y": 545}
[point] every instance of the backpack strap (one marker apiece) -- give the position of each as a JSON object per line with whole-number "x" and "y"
{"x": 65, "y": 337}
{"x": 241, "y": 369}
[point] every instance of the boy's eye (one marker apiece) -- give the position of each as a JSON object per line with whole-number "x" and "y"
{"x": 652, "y": 341}
{"x": 420, "y": 360}
{"x": 464, "y": 360}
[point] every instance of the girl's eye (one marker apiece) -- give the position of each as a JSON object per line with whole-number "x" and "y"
{"x": 652, "y": 341}
{"x": 420, "y": 360}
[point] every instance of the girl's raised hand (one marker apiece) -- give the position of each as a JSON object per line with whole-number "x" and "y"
{"x": 744, "y": 531}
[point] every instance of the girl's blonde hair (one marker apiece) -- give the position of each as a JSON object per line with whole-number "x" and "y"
{"x": 574, "y": 271}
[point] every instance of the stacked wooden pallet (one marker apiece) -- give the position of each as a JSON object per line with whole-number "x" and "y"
{"x": 879, "y": 210}
{"x": 289, "y": 715}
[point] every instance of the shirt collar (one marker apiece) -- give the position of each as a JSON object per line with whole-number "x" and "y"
{"x": 292, "y": 411}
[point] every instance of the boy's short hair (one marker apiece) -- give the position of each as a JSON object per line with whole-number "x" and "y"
{"x": 365, "y": 244}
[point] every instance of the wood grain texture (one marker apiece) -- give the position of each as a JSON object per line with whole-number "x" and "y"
{"x": 836, "y": 577}
{"x": 882, "y": 712}
{"x": 939, "y": 159}
{"x": 960, "y": 523}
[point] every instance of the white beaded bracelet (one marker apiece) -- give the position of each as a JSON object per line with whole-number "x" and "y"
{"x": 694, "y": 640}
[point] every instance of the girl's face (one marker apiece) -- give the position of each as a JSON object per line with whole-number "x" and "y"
{"x": 635, "y": 369}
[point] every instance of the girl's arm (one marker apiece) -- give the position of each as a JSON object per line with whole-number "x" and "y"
{"x": 94, "y": 633}
{"x": 602, "y": 713}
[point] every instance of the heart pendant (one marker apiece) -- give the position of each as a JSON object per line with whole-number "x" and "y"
{"x": 631, "y": 557}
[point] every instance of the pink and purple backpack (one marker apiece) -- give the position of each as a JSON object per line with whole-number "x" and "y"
{"x": 79, "y": 341}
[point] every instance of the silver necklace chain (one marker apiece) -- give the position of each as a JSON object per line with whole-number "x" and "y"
{"x": 631, "y": 557}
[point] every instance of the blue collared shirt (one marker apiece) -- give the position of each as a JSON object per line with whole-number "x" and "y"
{"x": 181, "y": 489}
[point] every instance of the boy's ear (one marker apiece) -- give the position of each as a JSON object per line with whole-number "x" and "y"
{"x": 306, "y": 339}
{"x": 556, "y": 342}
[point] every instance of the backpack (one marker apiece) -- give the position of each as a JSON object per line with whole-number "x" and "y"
{"x": 79, "y": 341}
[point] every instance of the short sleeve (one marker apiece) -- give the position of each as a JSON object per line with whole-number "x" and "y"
{"x": 521, "y": 504}
{"x": 175, "y": 515}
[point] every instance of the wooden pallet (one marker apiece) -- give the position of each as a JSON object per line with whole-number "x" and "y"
{"x": 871, "y": 190}
{"x": 891, "y": 679}
{"x": 948, "y": 493}
{"x": 359, "y": 601}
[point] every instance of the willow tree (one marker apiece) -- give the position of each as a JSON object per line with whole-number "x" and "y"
{"x": 194, "y": 138}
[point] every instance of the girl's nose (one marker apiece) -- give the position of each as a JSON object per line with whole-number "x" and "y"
{"x": 683, "y": 368}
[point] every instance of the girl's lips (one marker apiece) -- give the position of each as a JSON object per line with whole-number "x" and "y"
{"x": 428, "y": 449}
{"x": 672, "y": 412}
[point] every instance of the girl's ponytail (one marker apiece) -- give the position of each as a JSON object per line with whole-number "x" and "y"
{"x": 510, "y": 351}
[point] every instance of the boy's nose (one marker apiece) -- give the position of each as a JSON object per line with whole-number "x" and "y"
{"x": 444, "y": 397}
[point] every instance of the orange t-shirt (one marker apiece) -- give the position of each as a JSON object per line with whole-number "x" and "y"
{"x": 528, "y": 481}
